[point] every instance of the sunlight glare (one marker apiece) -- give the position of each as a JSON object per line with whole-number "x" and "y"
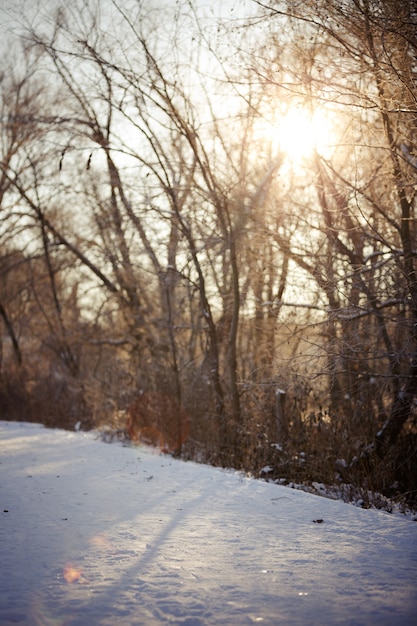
{"x": 300, "y": 133}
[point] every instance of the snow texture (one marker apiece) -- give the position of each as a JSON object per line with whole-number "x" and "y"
{"x": 99, "y": 534}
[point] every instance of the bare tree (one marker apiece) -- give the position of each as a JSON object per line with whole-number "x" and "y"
{"x": 208, "y": 266}
{"x": 358, "y": 59}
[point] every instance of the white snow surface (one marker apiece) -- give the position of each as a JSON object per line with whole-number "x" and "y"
{"x": 98, "y": 534}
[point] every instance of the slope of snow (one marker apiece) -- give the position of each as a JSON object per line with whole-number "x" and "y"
{"x": 98, "y": 534}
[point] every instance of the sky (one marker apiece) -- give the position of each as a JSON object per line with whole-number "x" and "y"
{"x": 10, "y": 9}
{"x": 98, "y": 533}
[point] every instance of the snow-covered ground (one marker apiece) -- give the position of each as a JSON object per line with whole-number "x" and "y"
{"x": 98, "y": 534}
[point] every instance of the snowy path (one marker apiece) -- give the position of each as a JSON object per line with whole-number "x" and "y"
{"x": 147, "y": 540}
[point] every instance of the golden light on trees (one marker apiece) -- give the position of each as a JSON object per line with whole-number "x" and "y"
{"x": 221, "y": 183}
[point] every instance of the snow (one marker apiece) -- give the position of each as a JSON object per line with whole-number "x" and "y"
{"x": 99, "y": 534}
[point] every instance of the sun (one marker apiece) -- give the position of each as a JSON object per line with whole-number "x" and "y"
{"x": 299, "y": 133}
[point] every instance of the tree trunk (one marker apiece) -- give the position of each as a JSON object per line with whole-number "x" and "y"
{"x": 400, "y": 412}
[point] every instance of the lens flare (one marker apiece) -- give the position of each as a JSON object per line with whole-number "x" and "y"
{"x": 72, "y": 574}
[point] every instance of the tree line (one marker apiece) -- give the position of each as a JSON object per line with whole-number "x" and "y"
{"x": 164, "y": 264}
